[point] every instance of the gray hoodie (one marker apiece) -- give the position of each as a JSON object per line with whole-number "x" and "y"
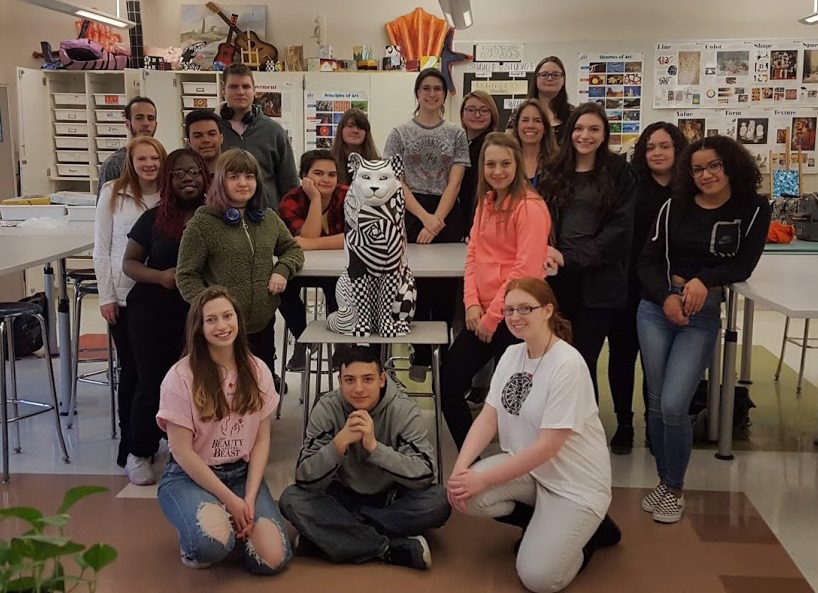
{"x": 404, "y": 455}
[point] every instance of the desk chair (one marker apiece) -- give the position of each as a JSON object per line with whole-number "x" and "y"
{"x": 433, "y": 333}
{"x": 8, "y": 313}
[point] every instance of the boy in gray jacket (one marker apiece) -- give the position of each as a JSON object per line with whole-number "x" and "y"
{"x": 365, "y": 480}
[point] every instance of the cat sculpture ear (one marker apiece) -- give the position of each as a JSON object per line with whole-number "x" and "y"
{"x": 354, "y": 162}
{"x": 397, "y": 164}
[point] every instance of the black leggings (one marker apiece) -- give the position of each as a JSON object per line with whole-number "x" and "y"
{"x": 463, "y": 360}
{"x": 126, "y": 384}
{"x": 262, "y": 344}
{"x": 623, "y": 348}
{"x": 292, "y": 307}
{"x": 157, "y": 339}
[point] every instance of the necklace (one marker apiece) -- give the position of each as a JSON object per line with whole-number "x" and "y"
{"x": 519, "y": 385}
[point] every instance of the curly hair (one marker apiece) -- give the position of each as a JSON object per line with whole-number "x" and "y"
{"x": 640, "y": 151}
{"x": 739, "y": 166}
{"x": 170, "y": 219}
{"x": 557, "y": 184}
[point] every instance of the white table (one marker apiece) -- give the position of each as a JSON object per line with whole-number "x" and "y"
{"x": 784, "y": 283}
{"x": 438, "y": 260}
{"x": 21, "y": 249}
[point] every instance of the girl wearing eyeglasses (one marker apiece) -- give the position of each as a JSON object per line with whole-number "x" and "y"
{"x": 353, "y": 135}
{"x": 589, "y": 191}
{"x": 121, "y": 202}
{"x": 548, "y": 86}
{"x": 553, "y": 477}
{"x": 435, "y": 155}
{"x": 536, "y": 137}
{"x": 156, "y": 310}
{"x": 710, "y": 234}
{"x": 506, "y": 242}
{"x": 479, "y": 117}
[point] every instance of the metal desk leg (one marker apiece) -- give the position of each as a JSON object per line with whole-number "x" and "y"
{"x": 305, "y": 387}
{"x": 438, "y": 412}
{"x": 714, "y": 392}
{"x": 804, "y": 347}
{"x": 65, "y": 341}
{"x": 48, "y": 288}
{"x": 728, "y": 381}
{"x": 747, "y": 343}
{"x": 4, "y": 412}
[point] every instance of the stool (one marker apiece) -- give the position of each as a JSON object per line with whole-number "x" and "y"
{"x": 320, "y": 362}
{"x": 85, "y": 284}
{"x": 8, "y": 313}
{"x": 433, "y": 333}
{"x": 803, "y": 343}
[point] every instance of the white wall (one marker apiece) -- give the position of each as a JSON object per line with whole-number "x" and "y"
{"x": 355, "y": 22}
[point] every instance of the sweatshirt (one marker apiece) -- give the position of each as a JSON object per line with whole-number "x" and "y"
{"x": 240, "y": 257}
{"x": 404, "y": 456}
{"x": 504, "y": 246}
{"x": 718, "y": 246}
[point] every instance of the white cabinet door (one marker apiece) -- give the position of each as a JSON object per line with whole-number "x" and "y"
{"x": 35, "y": 131}
{"x": 163, "y": 89}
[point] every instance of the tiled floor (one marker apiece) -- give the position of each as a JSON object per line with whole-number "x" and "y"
{"x": 751, "y": 524}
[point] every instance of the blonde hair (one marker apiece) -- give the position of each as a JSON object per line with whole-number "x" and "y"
{"x": 128, "y": 183}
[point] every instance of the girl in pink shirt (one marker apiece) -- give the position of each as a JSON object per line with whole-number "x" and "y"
{"x": 508, "y": 240}
{"x": 215, "y": 404}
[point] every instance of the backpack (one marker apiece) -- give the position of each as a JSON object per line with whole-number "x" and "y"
{"x": 28, "y": 336}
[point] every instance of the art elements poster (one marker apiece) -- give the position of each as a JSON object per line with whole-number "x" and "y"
{"x": 615, "y": 82}
{"x": 323, "y": 111}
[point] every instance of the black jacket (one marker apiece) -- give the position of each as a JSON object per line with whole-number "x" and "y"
{"x": 726, "y": 253}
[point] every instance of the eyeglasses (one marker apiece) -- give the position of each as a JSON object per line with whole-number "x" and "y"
{"x": 550, "y": 75}
{"x": 522, "y": 310}
{"x": 182, "y": 173}
{"x": 713, "y": 167}
{"x": 477, "y": 110}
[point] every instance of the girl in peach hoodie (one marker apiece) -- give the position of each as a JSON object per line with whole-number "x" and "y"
{"x": 507, "y": 241}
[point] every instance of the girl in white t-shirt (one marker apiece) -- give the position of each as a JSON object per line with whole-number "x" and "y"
{"x": 553, "y": 477}
{"x": 215, "y": 405}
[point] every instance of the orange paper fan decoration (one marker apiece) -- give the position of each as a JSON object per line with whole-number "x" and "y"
{"x": 418, "y": 34}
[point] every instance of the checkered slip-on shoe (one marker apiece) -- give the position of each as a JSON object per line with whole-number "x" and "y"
{"x": 652, "y": 500}
{"x": 669, "y": 509}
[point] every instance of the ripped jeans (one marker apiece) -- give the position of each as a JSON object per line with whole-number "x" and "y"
{"x": 205, "y": 532}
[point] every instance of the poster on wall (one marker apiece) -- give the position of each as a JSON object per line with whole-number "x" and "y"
{"x": 615, "y": 82}
{"x": 202, "y": 30}
{"x": 277, "y": 101}
{"x": 506, "y": 82}
{"x": 323, "y": 111}
{"x": 759, "y": 130}
{"x": 721, "y": 74}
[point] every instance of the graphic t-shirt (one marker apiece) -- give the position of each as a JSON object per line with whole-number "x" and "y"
{"x": 530, "y": 395}
{"x": 219, "y": 441}
{"x": 428, "y": 154}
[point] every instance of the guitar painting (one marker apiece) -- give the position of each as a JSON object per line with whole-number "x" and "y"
{"x": 254, "y": 51}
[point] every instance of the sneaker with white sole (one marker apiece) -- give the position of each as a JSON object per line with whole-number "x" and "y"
{"x": 139, "y": 470}
{"x": 191, "y": 563}
{"x": 651, "y": 501}
{"x": 409, "y": 551}
{"x": 670, "y": 509}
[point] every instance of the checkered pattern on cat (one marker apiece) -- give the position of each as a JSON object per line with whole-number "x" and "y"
{"x": 376, "y": 292}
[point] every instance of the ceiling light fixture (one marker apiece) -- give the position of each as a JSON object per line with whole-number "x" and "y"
{"x": 92, "y": 14}
{"x": 813, "y": 18}
{"x": 457, "y": 13}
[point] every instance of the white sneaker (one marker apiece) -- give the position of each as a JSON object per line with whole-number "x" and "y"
{"x": 139, "y": 470}
{"x": 670, "y": 509}
{"x": 652, "y": 500}
{"x": 191, "y": 563}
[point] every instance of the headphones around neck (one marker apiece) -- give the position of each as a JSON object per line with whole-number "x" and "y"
{"x": 227, "y": 114}
{"x": 233, "y": 215}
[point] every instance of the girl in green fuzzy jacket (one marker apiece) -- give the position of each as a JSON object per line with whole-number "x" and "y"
{"x": 235, "y": 242}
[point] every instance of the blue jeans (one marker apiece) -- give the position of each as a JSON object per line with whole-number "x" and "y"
{"x": 674, "y": 358}
{"x": 203, "y": 524}
{"x": 352, "y": 527}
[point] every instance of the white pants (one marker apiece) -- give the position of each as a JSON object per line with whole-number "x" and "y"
{"x": 550, "y": 554}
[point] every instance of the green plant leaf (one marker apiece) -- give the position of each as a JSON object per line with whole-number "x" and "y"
{"x": 72, "y": 495}
{"x": 98, "y": 556}
{"x": 56, "y": 520}
{"x": 45, "y": 547}
{"x": 28, "y": 514}
{"x": 21, "y": 584}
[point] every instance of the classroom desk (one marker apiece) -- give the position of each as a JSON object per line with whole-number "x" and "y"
{"x": 21, "y": 249}
{"x": 438, "y": 260}
{"x": 786, "y": 283}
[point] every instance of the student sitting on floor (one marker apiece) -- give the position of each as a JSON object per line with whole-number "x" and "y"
{"x": 365, "y": 477}
{"x": 215, "y": 405}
